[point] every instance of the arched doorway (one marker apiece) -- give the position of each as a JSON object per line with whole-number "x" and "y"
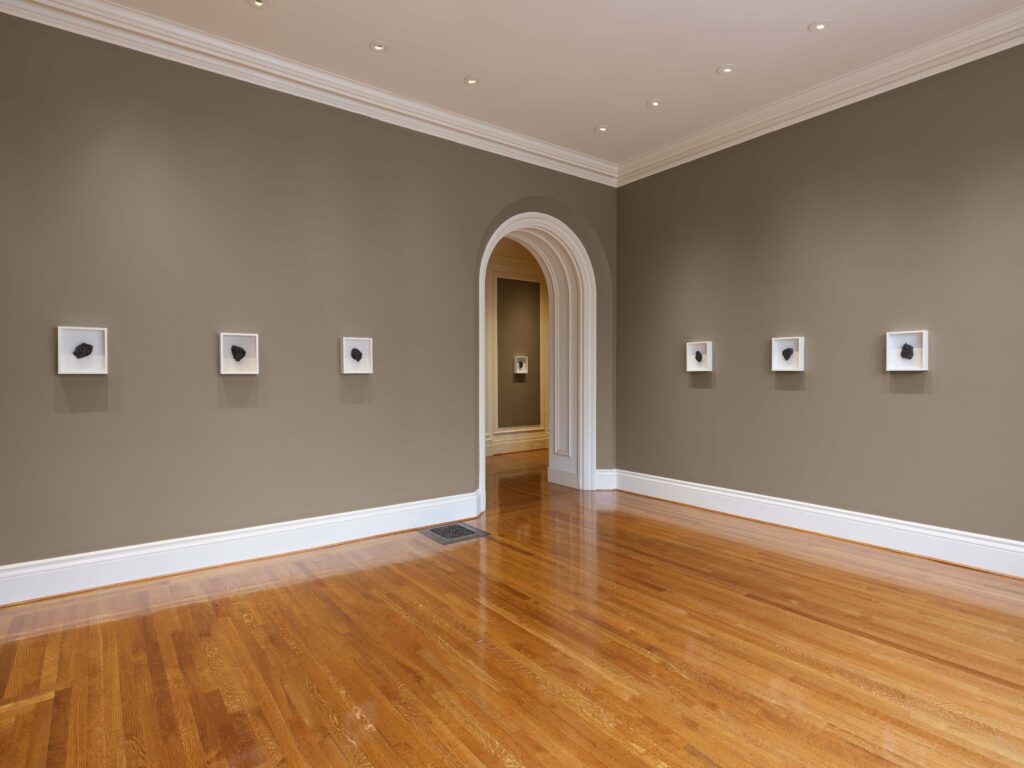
{"x": 572, "y": 345}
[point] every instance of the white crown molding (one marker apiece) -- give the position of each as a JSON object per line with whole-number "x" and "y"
{"x": 975, "y": 550}
{"x": 73, "y": 573}
{"x": 103, "y": 20}
{"x": 142, "y": 32}
{"x": 952, "y": 50}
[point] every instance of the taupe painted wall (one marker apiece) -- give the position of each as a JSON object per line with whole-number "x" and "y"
{"x": 169, "y": 204}
{"x": 902, "y": 212}
{"x": 518, "y": 314}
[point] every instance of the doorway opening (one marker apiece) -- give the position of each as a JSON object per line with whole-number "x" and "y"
{"x": 516, "y": 340}
{"x": 570, "y": 373}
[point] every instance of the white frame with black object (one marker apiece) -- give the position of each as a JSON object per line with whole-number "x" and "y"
{"x": 706, "y": 363}
{"x": 364, "y": 348}
{"x": 249, "y": 365}
{"x": 94, "y": 363}
{"x": 795, "y": 364}
{"x": 895, "y": 362}
{"x": 521, "y": 365}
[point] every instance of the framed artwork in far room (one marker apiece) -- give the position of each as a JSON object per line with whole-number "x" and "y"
{"x": 356, "y": 355}
{"x": 699, "y": 357}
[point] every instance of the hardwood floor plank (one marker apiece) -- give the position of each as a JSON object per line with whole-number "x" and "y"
{"x": 602, "y": 630}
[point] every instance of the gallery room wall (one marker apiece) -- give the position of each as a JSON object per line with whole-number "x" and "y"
{"x": 169, "y": 204}
{"x": 902, "y": 212}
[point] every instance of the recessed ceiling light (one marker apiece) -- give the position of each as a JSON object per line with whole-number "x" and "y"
{"x": 378, "y": 47}
{"x": 655, "y": 103}
{"x": 726, "y": 69}
{"x": 818, "y": 26}
{"x": 601, "y": 129}
{"x": 470, "y": 80}
{"x": 258, "y": 3}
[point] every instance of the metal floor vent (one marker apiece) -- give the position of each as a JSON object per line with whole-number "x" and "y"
{"x": 449, "y": 534}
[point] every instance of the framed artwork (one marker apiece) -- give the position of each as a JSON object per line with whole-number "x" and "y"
{"x": 788, "y": 354}
{"x": 81, "y": 351}
{"x": 356, "y": 355}
{"x": 239, "y": 354}
{"x": 906, "y": 351}
{"x": 699, "y": 356}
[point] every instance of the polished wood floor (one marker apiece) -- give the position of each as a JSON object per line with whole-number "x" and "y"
{"x": 589, "y": 629}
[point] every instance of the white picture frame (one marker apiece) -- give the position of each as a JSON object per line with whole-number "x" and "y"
{"x": 520, "y": 365}
{"x": 894, "y": 360}
{"x": 249, "y": 365}
{"x": 705, "y": 351}
{"x": 363, "y": 347}
{"x": 69, "y": 338}
{"x": 795, "y": 363}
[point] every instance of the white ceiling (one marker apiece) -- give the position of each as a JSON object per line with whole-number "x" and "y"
{"x": 552, "y": 70}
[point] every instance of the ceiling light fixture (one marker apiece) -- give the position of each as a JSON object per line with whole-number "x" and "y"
{"x": 726, "y": 69}
{"x": 601, "y": 129}
{"x": 258, "y": 3}
{"x": 655, "y": 103}
{"x": 378, "y": 47}
{"x": 470, "y": 80}
{"x": 818, "y": 26}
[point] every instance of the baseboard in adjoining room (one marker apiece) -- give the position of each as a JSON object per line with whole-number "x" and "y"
{"x": 516, "y": 440}
{"x": 21, "y": 582}
{"x": 975, "y": 550}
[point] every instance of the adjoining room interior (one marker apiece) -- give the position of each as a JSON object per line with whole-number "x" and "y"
{"x": 516, "y": 338}
{"x": 394, "y": 385}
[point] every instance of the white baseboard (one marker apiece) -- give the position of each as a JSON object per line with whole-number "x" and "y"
{"x": 975, "y": 550}
{"x": 607, "y": 479}
{"x": 73, "y": 573}
{"x": 516, "y": 440}
{"x": 562, "y": 477}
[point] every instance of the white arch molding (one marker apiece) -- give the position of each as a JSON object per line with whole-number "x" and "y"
{"x": 572, "y": 347}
